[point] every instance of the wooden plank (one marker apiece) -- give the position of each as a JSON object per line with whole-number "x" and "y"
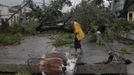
{"x": 100, "y": 69}
{"x": 19, "y": 68}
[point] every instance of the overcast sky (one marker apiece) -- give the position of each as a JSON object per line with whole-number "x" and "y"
{"x": 17, "y": 2}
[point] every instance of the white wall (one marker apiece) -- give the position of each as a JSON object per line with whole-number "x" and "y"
{"x": 4, "y": 11}
{"x": 14, "y": 19}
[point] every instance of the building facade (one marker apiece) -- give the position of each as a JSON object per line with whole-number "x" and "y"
{"x": 13, "y": 10}
{"x": 118, "y": 8}
{"x": 130, "y": 15}
{"x": 6, "y": 12}
{"x": 123, "y": 8}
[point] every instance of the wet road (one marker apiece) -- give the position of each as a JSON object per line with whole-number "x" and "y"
{"x": 36, "y": 46}
{"x": 30, "y": 47}
{"x": 96, "y": 54}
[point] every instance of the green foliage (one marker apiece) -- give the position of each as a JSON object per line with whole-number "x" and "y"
{"x": 36, "y": 13}
{"x": 49, "y": 13}
{"x": 23, "y": 73}
{"x": 61, "y": 42}
{"x": 110, "y": 34}
{"x": 99, "y": 40}
{"x": 121, "y": 26}
{"x": 54, "y": 10}
{"x": 87, "y": 13}
{"x": 9, "y": 39}
{"x": 92, "y": 33}
{"x": 16, "y": 27}
{"x": 92, "y": 36}
{"x": 5, "y": 74}
{"x": 122, "y": 53}
{"x": 58, "y": 4}
{"x": 63, "y": 39}
{"x": 99, "y": 3}
{"x": 28, "y": 28}
{"x": 92, "y": 14}
{"x": 12, "y": 35}
{"x": 31, "y": 26}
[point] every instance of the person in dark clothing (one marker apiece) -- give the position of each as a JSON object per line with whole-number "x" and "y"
{"x": 101, "y": 28}
{"x": 78, "y": 36}
{"x": 100, "y": 34}
{"x": 77, "y": 44}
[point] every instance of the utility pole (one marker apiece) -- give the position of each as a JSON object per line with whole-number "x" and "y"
{"x": 24, "y": 11}
{"x": 44, "y": 3}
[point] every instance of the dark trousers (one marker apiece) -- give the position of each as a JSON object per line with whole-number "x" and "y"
{"x": 77, "y": 43}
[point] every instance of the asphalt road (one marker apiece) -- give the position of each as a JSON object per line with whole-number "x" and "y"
{"x": 36, "y": 46}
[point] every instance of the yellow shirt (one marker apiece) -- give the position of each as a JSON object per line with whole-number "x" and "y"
{"x": 77, "y": 29}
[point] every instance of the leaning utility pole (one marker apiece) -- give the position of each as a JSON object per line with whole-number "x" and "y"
{"x": 44, "y": 3}
{"x": 24, "y": 11}
{"x": 20, "y": 9}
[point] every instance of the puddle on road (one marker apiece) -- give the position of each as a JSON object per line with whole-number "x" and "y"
{"x": 71, "y": 65}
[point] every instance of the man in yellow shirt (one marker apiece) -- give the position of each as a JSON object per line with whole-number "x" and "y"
{"x": 78, "y": 35}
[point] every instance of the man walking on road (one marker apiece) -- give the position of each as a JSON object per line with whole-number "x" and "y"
{"x": 78, "y": 35}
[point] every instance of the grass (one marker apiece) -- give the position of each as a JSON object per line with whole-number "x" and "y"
{"x": 13, "y": 34}
{"x": 63, "y": 39}
{"x": 10, "y": 39}
{"x": 19, "y": 73}
{"x": 23, "y": 73}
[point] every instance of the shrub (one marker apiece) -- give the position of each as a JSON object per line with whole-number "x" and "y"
{"x": 9, "y": 39}
{"x": 92, "y": 36}
{"x": 28, "y": 28}
{"x": 63, "y": 39}
{"x": 60, "y": 42}
{"x": 16, "y": 27}
{"x": 23, "y": 73}
{"x": 31, "y": 26}
{"x": 121, "y": 26}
